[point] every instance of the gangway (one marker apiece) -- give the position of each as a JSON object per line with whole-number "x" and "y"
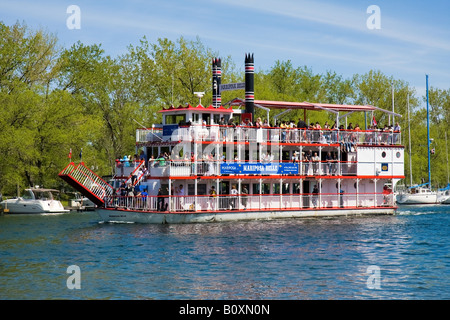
{"x": 87, "y": 182}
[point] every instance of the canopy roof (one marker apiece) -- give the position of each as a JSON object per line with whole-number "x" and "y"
{"x": 286, "y": 105}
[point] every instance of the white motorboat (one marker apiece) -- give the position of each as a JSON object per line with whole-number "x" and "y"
{"x": 34, "y": 201}
{"x": 82, "y": 203}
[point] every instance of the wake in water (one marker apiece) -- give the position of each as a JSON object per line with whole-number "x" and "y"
{"x": 423, "y": 209}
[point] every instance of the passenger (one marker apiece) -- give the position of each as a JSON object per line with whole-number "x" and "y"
{"x": 315, "y": 196}
{"x": 283, "y": 131}
{"x": 334, "y": 164}
{"x": 327, "y": 133}
{"x": 306, "y": 160}
{"x": 212, "y": 198}
{"x": 234, "y": 194}
{"x": 295, "y": 157}
{"x": 316, "y": 162}
{"x": 396, "y": 132}
{"x": 328, "y": 159}
{"x": 244, "y": 197}
{"x": 334, "y": 133}
{"x": 160, "y": 200}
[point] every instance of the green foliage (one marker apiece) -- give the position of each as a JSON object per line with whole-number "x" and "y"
{"x": 53, "y": 100}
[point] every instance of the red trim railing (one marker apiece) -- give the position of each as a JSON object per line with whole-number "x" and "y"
{"x": 301, "y": 201}
{"x": 239, "y": 133}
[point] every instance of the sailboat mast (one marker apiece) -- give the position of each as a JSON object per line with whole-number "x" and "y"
{"x": 410, "y": 151}
{"x": 428, "y": 139}
{"x": 446, "y": 151}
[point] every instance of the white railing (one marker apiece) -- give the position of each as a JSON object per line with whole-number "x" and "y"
{"x": 253, "y": 134}
{"x": 89, "y": 180}
{"x": 185, "y": 168}
{"x": 125, "y": 168}
{"x": 251, "y": 202}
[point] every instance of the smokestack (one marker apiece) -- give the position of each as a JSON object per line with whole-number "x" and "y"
{"x": 216, "y": 81}
{"x": 249, "y": 85}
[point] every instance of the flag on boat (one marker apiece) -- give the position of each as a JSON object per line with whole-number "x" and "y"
{"x": 81, "y": 151}
{"x": 374, "y": 121}
{"x": 70, "y": 153}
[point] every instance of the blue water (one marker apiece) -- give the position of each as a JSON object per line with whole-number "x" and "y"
{"x": 284, "y": 259}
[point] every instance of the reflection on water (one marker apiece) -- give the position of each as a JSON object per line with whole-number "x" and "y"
{"x": 282, "y": 259}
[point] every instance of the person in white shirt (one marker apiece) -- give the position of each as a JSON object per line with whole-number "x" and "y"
{"x": 234, "y": 194}
{"x": 316, "y": 162}
{"x": 179, "y": 193}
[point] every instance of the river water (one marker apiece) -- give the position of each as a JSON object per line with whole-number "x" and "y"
{"x": 405, "y": 256}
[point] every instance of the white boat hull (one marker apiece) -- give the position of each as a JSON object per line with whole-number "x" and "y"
{"x": 113, "y": 215}
{"x": 16, "y": 206}
{"x": 417, "y": 199}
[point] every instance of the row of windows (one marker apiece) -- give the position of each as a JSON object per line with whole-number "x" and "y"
{"x": 253, "y": 188}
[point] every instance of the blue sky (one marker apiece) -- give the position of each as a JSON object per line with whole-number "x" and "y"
{"x": 414, "y": 39}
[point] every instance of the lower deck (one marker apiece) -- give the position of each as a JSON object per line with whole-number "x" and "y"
{"x": 134, "y": 216}
{"x": 217, "y": 195}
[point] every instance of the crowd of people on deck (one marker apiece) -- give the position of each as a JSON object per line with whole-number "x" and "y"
{"x": 315, "y": 133}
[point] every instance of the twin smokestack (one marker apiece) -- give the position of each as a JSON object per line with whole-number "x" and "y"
{"x": 249, "y": 83}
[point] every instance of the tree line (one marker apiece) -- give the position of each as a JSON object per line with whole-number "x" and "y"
{"x": 55, "y": 99}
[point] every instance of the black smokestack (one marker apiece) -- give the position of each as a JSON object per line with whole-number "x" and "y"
{"x": 249, "y": 84}
{"x": 216, "y": 81}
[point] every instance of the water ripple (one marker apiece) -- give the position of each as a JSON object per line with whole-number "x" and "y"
{"x": 283, "y": 259}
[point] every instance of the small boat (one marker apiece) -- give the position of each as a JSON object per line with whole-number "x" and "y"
{"x": 445, "y": 195}
{"x": 34, "y": 200}
{"x": 419, "y": 195}
{"x": 82, "y": 203}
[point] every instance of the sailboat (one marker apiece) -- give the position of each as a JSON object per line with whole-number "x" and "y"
{"x": 421, "y": 194}
{"x": 445, "y": 192}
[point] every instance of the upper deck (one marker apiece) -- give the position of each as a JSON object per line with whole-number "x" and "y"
{"x": 171, "y": 134}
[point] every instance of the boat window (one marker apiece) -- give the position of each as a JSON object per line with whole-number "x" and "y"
{"x": 383, "y": 154}
{"x": 175, "y": 118}
{"x": 276, "y": 188}
{"x": 266, "y": 188}
{"x": 206, "y": 117}
{"x": 28, "y": 195}
{"x": 285, "y": 189}
{"x": 296, "y": 188}
{"x": 196, "y": 117}
{"x": 256, "y": 188}
{"x": 201, "y": 189}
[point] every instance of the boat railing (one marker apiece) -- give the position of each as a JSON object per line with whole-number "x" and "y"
{"x": 149, "y": 135}
{"x": 185, "y": 168}
{"x": 90, "y": 181}
{"x": 218, "y": 133}
{"x": 199, "y": 203}
{"x": 125, "y": 168}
